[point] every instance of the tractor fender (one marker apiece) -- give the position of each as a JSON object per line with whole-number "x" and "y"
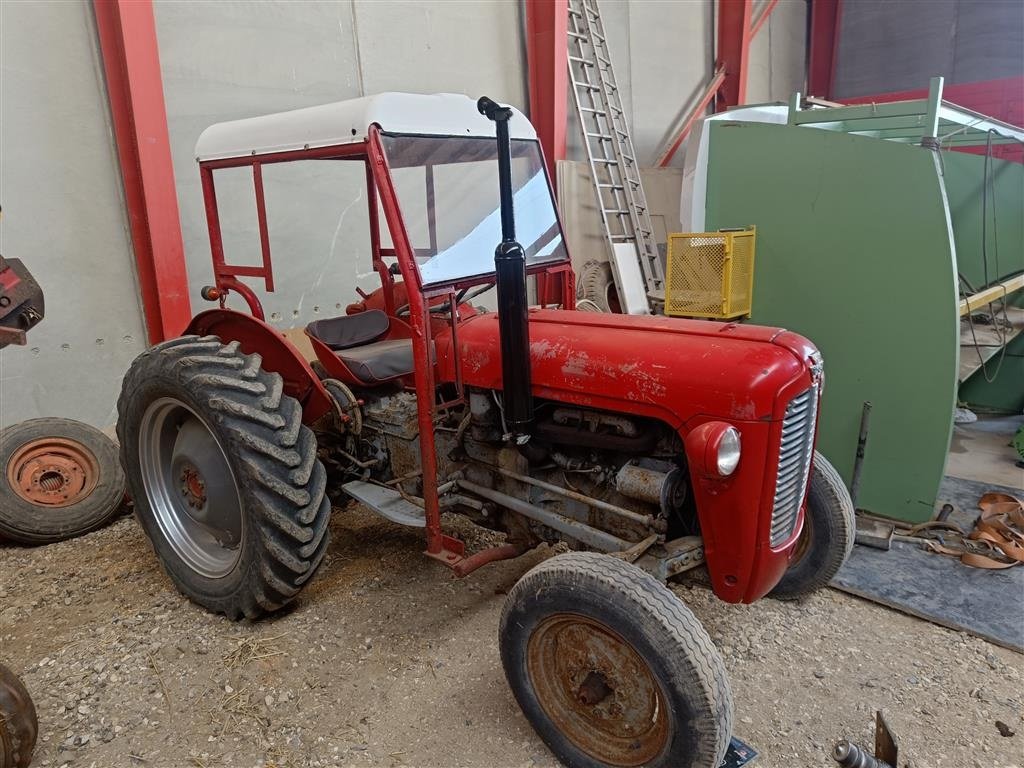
{"x": 279, "y": 355}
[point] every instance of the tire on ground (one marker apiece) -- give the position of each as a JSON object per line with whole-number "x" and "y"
{"x": 32, "y": 450}
{"x": 272, "y": 455}
{"x": 18, "y": 725}
{"x": 827, "y": 538}
{"x": 654, "y": 623}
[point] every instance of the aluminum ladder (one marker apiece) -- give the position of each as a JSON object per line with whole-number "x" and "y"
{"x": 613, "y": 165}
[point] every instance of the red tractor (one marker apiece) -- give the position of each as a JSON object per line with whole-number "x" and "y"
{"x": 647, "y": 446}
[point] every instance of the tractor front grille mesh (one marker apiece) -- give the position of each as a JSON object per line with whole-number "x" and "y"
{"x": 795, "y": 451}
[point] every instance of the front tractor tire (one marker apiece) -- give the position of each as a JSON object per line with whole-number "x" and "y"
{"x": 225, "y": 477}
{"x": 612, "y": 669}
{"x": 827, "y": 538}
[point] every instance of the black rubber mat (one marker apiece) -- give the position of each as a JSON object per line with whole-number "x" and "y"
{"x": 940, "y": 588}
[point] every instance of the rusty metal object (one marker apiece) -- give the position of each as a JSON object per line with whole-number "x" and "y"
{"x": 858, "y": 462}
{"x": 645, "y": 520}
{"x": 18, "y": 724}
{"x": 587, "y": 534}
{"x": 598, "y": 690}
{"x": 21, "y": 302}
{"x": 53, "y": 472}
{"x": 673, "y": 557}
{"x": 666, "y": 489}
{"x": 872, "y": 532}
{"x": 850, "y": 755}
{"x": 598, "y": 429}
{"x": 505, "y": 552}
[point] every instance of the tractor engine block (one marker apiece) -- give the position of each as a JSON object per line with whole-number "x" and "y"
{"x": 621, "y": 462}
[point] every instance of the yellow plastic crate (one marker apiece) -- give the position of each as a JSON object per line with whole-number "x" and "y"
{"x": 710, "y": 274}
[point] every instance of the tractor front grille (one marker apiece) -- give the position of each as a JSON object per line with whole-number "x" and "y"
{"x": 795, "y": 451}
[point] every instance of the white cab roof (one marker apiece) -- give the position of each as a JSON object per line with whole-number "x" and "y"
{"x": 346, "y": 122}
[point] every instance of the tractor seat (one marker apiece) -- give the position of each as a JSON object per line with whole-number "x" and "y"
{"x": 350, "y": 330}
{"x": 381, "y": 361}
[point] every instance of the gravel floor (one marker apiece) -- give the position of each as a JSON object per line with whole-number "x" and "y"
{"x": 388, "y": 661}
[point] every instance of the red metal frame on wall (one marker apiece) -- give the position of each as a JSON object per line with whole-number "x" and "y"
{"x": 127, "y": 35}
{"x": 547, "y": 53}
{"x": 734, "y": 36}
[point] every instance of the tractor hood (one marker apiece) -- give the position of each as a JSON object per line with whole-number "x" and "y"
{"x": 666, "y": 368}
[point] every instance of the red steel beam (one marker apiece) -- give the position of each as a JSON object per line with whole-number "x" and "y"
{"x": 762, "y": 17}
{"x": 734, "y": 35}
{"x": 547, "y": 53}
{"x": 695, "y": 114}
{"x": 127, "y": 35}
{"x": 824, "y": 44}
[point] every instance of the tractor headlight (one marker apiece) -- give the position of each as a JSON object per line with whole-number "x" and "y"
{"x": 728, "y": 451}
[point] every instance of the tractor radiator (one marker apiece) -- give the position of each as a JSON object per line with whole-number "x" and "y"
{"x": 795, "y": 450}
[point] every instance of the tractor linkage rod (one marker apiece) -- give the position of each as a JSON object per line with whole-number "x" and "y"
{"x": 587, "y": 534}
{"x": 647, "y": 521}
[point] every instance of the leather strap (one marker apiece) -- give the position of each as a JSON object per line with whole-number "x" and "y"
{"x": 997, "y": 541}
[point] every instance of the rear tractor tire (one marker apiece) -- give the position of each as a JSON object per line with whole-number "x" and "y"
{"x": 827, "y": 538}
{"x": 18, "y": 725}
{"x": 225, "y": 476}
{"x": 612, "y": 669}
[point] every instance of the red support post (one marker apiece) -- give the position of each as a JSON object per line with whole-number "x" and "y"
{"x": 824, "y": 44}
{"x": 127, "y": 35}
{"x": 734, "y": 35}
{"x": 695, "y": 114}
{"x": 547, "y": 53}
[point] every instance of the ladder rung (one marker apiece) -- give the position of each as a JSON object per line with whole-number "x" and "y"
{"x": 595, "y": 111}
{"x": 606, "y": 160}
{"x": 602, "y": 136}
{"x": 611, "y": 186}
{"x": 581, "y": 60}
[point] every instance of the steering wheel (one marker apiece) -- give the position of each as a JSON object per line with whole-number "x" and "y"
{"x": 445, "y": 306}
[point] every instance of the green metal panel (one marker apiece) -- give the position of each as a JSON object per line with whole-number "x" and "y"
{"x": 854, "y": 250}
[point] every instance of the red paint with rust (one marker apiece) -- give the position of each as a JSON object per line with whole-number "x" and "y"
{"x": 685, "y": 373}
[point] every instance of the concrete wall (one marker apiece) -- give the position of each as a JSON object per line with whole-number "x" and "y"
{"x": 64, "y": 216}
{"x": 227, "y": 60}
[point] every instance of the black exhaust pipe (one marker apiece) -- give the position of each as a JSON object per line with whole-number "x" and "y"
{"x": 510, "y": 270}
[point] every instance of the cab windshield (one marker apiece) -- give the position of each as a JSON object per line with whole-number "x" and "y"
{"x": 447, "y": 188}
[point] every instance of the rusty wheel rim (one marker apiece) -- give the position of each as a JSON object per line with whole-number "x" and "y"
{"x": 53, "y": 472}
{"x": 597, "y": 690}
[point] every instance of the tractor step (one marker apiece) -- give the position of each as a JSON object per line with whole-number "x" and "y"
{"x": 386, "y": 502}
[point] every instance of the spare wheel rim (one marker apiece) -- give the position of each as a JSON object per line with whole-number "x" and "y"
{"x": 191, "y": 488}
{"x": 53, "y": 472}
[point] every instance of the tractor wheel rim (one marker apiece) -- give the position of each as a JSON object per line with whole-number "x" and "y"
{"x": 803, "y": 544}
{"x": 191, "y": 488}
{"x": 53, "y": 472}
{"x": 597, "y": 690}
